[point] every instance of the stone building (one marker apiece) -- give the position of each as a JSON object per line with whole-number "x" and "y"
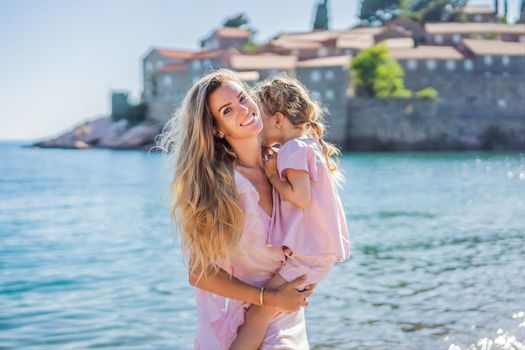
{"x": 265, "y": 65}
{"x": 466, "y": 71}
{"x": 155, "y": 60}
{"x": 422, "y": 64}
{"x": 328, "y": 79}
{"x": 305, "y": 45}
{"x": 453, "y": 33}
{"x": 226, "y": 37}
{"x": 492, "y": 57}
{"x": 479, "y": 14}
{"x": 415, "y": 28}
{"x": 169, "y": 73}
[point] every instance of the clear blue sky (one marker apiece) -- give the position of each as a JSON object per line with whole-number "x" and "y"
{"x": 59, "y": 59}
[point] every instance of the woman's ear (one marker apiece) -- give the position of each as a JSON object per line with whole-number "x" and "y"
{"x": 279, "y": 119}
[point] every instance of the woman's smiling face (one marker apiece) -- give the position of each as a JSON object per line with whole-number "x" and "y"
{"x": 236, "y": 113}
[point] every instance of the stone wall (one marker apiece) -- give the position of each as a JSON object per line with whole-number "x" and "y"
{"x": 396, "y": 124}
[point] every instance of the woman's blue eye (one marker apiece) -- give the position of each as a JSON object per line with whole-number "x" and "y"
{"x": 227, "y": 110}
{"x": 243, "y": 98}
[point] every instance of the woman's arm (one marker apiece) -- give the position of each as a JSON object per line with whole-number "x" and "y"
{"x": 296, "y": 189}
{"x": 285, "y": 297}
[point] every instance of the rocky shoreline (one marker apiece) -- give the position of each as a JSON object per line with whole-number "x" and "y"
{"x": 103, "y": 132}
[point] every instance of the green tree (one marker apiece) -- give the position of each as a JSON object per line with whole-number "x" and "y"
{"x": 321, "y": 16}
{"x": 522, "y": 12}
{"x": 378, "y": 75}
{"x": 378, "y": 11}
{"x": 241, "y": 21}
{"x": 389, "y": 81}
{"x": 365, "y": 65}
{"x": 437, "y": 10}
{"x": 428, "y": 94}
{"x": 236, "y": 21}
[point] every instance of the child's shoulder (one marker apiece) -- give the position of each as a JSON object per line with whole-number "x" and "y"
{"x": 299, "y": 143}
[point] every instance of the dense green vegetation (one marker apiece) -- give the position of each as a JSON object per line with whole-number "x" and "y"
{"x": 378, "y": 75}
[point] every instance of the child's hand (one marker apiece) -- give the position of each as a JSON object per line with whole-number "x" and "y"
{"x": 270, "y": 166}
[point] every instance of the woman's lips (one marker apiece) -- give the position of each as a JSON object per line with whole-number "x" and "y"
{"x": 249, "y": 121}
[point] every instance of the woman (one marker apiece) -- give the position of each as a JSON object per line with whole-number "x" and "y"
{"x": 223, "y": 205}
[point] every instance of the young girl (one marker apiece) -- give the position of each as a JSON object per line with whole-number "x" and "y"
{"x": 310, "y": 223}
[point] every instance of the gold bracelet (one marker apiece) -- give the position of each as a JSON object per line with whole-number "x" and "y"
{"x": 261, "y": 296}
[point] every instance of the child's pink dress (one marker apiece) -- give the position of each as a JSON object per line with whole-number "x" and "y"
{"x": 254, "y": 263}
{"x": 316, "y": 236}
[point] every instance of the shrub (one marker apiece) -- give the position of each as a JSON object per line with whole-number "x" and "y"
{"x": 428, "y": 94}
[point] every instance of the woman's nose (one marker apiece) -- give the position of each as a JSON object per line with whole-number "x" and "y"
{"x": 243, "y": 109}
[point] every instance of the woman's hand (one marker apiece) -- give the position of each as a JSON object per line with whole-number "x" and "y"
{"x": 287, "y": 297}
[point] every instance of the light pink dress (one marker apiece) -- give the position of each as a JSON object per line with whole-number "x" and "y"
{"x": 254, "y": 263}
{"x": 316, "y": 236}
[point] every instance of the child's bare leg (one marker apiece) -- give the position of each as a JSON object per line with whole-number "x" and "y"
{"x": 251, "y": 334}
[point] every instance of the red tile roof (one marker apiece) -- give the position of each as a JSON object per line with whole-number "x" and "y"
{"x": 495, "y": 47}
{"x": 168, "y": 53}
{"x": 474, "y": 10}
{"x": 453, "y": 28}
{"x": 213, "y": 53}
{"x": 228, "y": 32}
{"x": 422, "y": 52}
{"x": 332, "y": 61}
{"x": 266, "y": 61}
{"x": 170, "y": 68}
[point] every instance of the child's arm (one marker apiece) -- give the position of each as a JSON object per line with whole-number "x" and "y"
{"x": 284, "y": 297}
{"x": 296, "y": 189}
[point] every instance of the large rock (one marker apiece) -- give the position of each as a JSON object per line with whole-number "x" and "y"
{"x": 105, "y": 133}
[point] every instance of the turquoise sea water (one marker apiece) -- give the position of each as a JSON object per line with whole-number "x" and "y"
{"x": 88, "y": 260}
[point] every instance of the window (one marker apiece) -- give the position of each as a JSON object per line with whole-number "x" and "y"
{"x": 329, "y": 94}
{"x": 468, "y": 65}
{"x": 451, "y": 64}
{"x": 431, "y": 64}
{"x": 315, "y": 76}
{"x": 167, "y": 80}
{"x": 505, "y": 60}
{"x": 329, "y": 75}
{"x": 196, "y": 65}
{"x": 159, "y": 64}
{"x": 438, "y": 38}
{"x": 149, "y": 66}
{"x": 323, "y": 51}
{"x": 456, "y": 38}
{"x": 316, "y": 95}
{"x": 412, "y": 64}
{"x": 478, "y": 18}
{"x": 488, "y": 60}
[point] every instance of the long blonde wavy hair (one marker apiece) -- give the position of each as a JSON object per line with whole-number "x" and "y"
{"x": 288, "y": 96}
{"x": 203, "y": 199}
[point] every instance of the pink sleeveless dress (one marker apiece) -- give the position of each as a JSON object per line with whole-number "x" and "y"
{"x": 316, "y": 236}
{"x": 254, "y": 262}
